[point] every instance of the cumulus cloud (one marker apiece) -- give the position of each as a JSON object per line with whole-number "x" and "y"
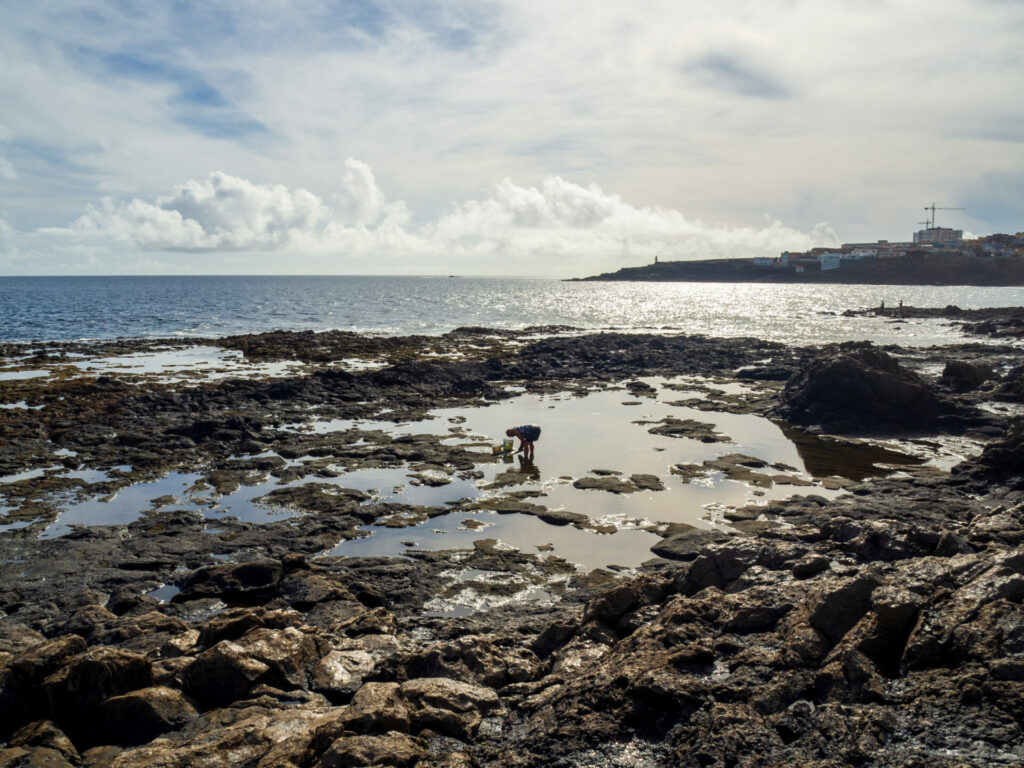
{"x": 558, "y": 225}
{"x": 563, "y": 218}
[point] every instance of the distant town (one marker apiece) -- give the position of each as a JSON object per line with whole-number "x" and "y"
{"x": 930, "y": 241}
{"x": 935, "y": 256}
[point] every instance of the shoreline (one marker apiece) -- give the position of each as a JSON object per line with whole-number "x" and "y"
{"x": 941, "y": 269}
{"x": 807, "y": 628}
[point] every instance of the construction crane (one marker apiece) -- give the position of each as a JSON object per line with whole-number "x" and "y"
{"x": 933, "y": 208}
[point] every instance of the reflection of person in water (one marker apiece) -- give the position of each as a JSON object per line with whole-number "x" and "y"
{"x": 528, "y": 434}
{"x": 528, "y": 468}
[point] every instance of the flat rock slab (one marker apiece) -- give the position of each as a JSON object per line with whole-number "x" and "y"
{"x": 688, "y": 428}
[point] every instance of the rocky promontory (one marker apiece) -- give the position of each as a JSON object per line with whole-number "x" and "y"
{"x": 917, "y": 269}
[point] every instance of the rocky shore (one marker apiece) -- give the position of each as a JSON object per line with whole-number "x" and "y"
{"x": 872, "y": 616}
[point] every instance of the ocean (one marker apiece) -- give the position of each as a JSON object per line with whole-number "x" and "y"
{"x": 75, "y": 308}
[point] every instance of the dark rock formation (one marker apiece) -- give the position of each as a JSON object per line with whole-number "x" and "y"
{"x": 856, "y": 387}
{"x": 963, "y": 376}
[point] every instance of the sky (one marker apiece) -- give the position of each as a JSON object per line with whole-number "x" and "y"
{"x": 479, "y": 137}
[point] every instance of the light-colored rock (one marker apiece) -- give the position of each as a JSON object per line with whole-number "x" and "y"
{"x": 392, "y": 749}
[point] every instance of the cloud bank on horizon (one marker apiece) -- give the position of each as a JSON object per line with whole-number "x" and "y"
{"x": 576, "y": 225}
{"x": 496, "y": 137}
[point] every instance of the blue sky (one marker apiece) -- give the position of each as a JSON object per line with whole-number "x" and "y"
{"x": 552, "y": 138}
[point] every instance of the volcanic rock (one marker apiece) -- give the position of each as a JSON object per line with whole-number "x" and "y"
{"x": 855, "y": 387}
{"x": 142, "y": 715}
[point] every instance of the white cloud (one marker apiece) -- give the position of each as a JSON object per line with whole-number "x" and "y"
{"x": 858, "y": 113}
{"x": 558, "y": 227}
{"x": 7, "y": 171}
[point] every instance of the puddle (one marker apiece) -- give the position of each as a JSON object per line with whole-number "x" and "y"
{"x": 128, "y": 504}
{"x": 597, "y": 431}
{"x": 18, "y": 375}
{"x": 528, "y": 534}
{"x": 22, "y": 405}
{"x": 165, "y": 593}
{"x": 856, "y": 461}
{"x": 26, "y": 475}
{"x": 321, "y": 427}
{"x": 395, "y": 484}
{"x": 4, "y": 527}
{"x": 88, "y": 475}
{"x": 184, "y": 364}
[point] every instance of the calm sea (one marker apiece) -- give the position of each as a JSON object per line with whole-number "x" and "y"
{"x": 70, "y": 308}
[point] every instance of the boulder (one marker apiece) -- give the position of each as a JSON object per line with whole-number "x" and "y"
{"x": 229, "y": 625}
{"x": 377, "y": 707}
{"x": 44, "y": 735}
{"x": 962, "y": 376}
{"x": 22, "y": 697}
{"x": 391, "y": 749}
{"x": 1003, "y": 459}
{"x": 855, "y": 387}
{"x": 80, "y": 686}
{"x": 33, "y": 757}
{"x": 17, "y": 638}
{"x": 243, "y": 736}
{"x": 221, "y": 675}
{"x": 289, "y": 655}
{"x": 1012, "y": 385}
{"x": 687, "y": 544}
{"x": 304, "y": 588}
{"x": 252, "y": 583}
{"x": 339, "y": 674}
{"x": 448, "y": 706}
{"x": 474, "y": 659}
{"x": 141, "y": 716}
{"x": 552, "y": 638}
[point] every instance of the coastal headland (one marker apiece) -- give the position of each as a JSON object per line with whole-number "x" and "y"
{"x": 863, "y": 608}
{"x": 919, "y": 269}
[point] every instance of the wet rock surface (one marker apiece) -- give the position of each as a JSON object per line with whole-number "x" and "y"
{"x": 881, "y": 627}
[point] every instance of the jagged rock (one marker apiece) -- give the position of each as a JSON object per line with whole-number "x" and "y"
{"x": 245, "y": 736}
{"x": 474, "y": 659}
{"x": 448, "y": 706}
{"x": 1012, "y": 386}
{"x": 963, "y": 376}
{"x": 251, "y": 583}
{"x": 33, "y": 757}
{"x": 88, "y": 621}
{"x": 376, "y": 708}
{"x": 221, "y": 675}
{"x": 392, "y": 749}
{"x": 43, "y": 735}
{"x": 22, "y": 696}
{"x": 290, "y": 655}
{"x": 1003, "y": 459}
{"x": 229, "y": 625}
{"x": 79, "y": 687}
{"x": 142, "y": 715}
{"x": 339, "y": 674}
{"x": 855, "y": 387}
{"x": 810, "y": 565}
{"x": 305, "y": 588}
{"x": 552, "y": 638}
{"x": 686, "y": 545}
{"x": 16, "y": 638}
{"x": 980, "y": 619}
